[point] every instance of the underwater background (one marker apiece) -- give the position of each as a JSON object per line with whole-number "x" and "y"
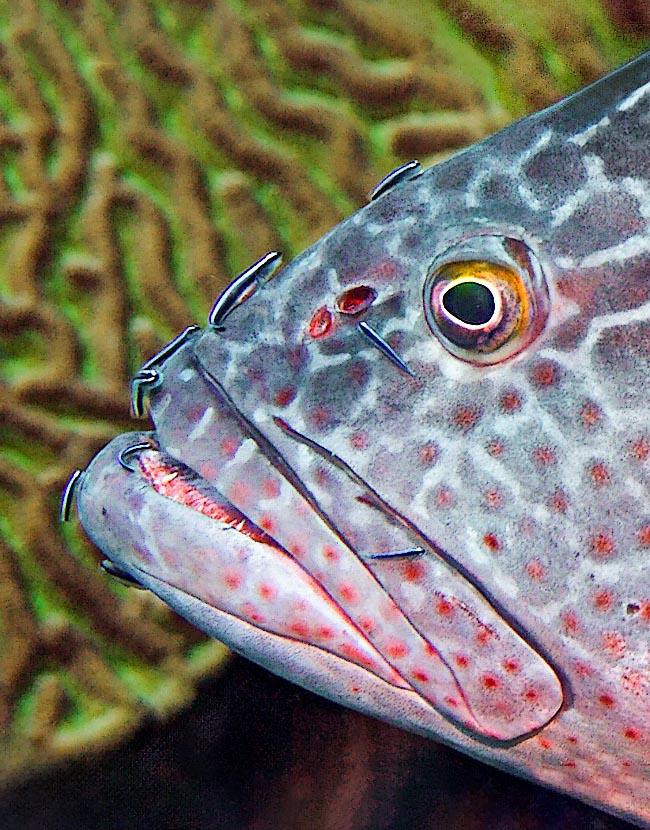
{"x": 149, "y": 151}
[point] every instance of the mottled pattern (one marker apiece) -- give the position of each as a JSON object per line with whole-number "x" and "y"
{"x": 149, "y": 149}
{"x": 520, "y": 632}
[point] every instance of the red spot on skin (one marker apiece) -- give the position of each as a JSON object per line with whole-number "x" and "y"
{"x": 614, "y": 643}
{"x": 590, "y": 414}
{"x": 510, "y": 401}
{"x": 428, "y": 454}
{"x": 645, "y": 611}
{"x": 444, "y": 497}
{"x": 570, "y": 621}
{"x": 535, "y": 570}
{"x": 559, "y": 502}
{"x": 544, "y": 742}
{"x": 632, "y": 734}
{"x": 297, "y": 550}
{"x": 544, "y": 456}
{"x": 359, "y": 440}
{"x": 496, "y": 448}
{"x": 267, "y": 523}
{"x": 606, "y": 700}
{"x": 331, "y": 554}
{"x": 250, "y": 611}
{"x": 396, "y": 649}
{"x": 319, "y": 417}
{"x": 483, "y": 636}
{"x": 511, "y": 666}
{"x": 602, "y": 545}
{"x": 283, "y": 397}
{"x": 355, "y": 654}
{"x": 233, "y": 579}
{"x": 348, "y": 593}
{"x": 582, "y": 669}
{"x": 451, "y": 701}
{"x": 572, "y": 739}
{"x": 603, "y": 600}
{"x": 570, "y": 764}
{"x": 270, "y": 488}
{"x": 267, "y": 592}
{"x": 300, "y": 629}
{"x": 444, "y": 607}
{"x": 545, "y": 373}
{"x": 229, "y": 447}
{"x": 240, "y": 492}
{"x": 643, "y": 535}
{"x": 493, "y": 499}
{"x": 599, "y": 475}
{"x": 355, "y": 690}
{"x": 355, "y": 300}
{"x": 462, "y": 660}
{"x": 324, "y": 633}
{"x": 358, "y": 373}
{"x": 413, "y": 571}
{"x": 491, "y": 542}
{"x": 640, "y": 449}
{"x": 490, "y": 681}
{"x": 465, "y": 417}
{"x": 530, "y": 695}
{"x": 420, "y": 675}
{"x": 367, "y": 624}
{"x": 320, "y": 323}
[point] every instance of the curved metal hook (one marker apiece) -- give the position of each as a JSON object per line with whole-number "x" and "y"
{"x": 67, "y": 496}
{"x": 142, "y": 382}
{"x": 124, "y": 454}
{"x": 405, "y": 173}
{"x": 243, "y": 287}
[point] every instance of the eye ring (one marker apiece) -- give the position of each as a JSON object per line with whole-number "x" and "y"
{"x": 486, "y": 298}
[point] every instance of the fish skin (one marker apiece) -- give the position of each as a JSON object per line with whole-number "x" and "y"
{"x": 521, "y": 634}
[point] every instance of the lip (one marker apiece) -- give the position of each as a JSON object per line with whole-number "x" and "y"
{"x": 209, "y": 509}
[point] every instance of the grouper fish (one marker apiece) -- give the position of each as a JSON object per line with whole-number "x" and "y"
{"x": 411, "y": 470}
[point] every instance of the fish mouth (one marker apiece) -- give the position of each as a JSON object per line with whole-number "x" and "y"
{"x": 208, "y": 513}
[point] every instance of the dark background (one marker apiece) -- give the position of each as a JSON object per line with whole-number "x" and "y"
{"x": 257, "y": 753}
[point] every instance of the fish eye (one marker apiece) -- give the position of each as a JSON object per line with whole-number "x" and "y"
{"x": 486, "y": 299}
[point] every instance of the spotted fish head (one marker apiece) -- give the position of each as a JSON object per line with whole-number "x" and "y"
{"x": 410, "y": 470}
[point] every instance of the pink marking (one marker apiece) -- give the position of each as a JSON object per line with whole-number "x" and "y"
{"x": 511, "y": 666}
{"x": 606, "y": 700}
{"x": 544, "y": 374}
{"x": 320, "y": 323}
{"x": 462, "y": 660}
{"x": 331, "y": 554}
{"x": 535, "y": 570}
{"x": 428, "y": 454}
{"x": 544, "y": 455}
{"x": 270, "y": 488}
{"x": 284, "y": 397}
{"x": 640, "y": 449}
{"x": 348, "y": 593}
{"x": 396, "y": 649}
{"x": 510, "y": 401}
{"x": 614, "y": 643}
{"x": 233, "y": 579}
{"x": 420, "y": 675}
{"x": 603, "y": 600}
{"x": 602, "y": 545}
{"x": 267, "y": 592}
{"x": 367, "y": 624}
{"x": 413, "y": 571}
{"x": 359, "y": 440}
{"x": 491, "y": 541}
{"x": 599, "y": 475}
{"x": 490, "y": 681}
{"x": 590, "y": 414}
{"x": 466, "y": 417}
{"x": 643, "y": 535}
{"x": 493, "y": 499}
{"x": 570, "y": 620}
{"x": 496, "y": 448}
{"x": 559, "y": 502}
{"x": 355, "y": 300}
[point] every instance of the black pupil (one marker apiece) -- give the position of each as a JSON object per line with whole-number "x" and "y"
{"x": 470, "y": 302}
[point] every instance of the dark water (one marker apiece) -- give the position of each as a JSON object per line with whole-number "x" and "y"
{"x": 256, "y": 753}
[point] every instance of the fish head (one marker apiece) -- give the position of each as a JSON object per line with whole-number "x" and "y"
{"x": 410, "y": 470}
